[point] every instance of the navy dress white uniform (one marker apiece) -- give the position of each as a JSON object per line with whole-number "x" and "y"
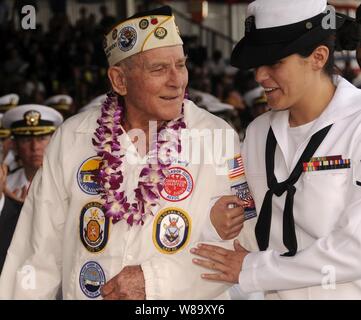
{"x": 29, "y": 120}
{"x": 8, "y": 102}
{"x": 63, "y": 233}
{"x": 62, "y": 103}
{"x": 308, "y": 191}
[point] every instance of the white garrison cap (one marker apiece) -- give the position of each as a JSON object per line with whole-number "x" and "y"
{"x": 8, "y": 101}
{"x": 141, "y": 32}
{"x": 60, "y": 102}
{"x": 275, "y": 13}
{"x": 32, "y": 120}
{"x": 96, "y": 102}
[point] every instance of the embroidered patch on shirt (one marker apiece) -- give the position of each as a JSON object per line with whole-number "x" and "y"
{"x": 91, "y": 278}
{"x": 86, "y": 174}
{"x": 235, "y": 167}
{"x": 93, "y": 227}
{"x": 171, "y": 230}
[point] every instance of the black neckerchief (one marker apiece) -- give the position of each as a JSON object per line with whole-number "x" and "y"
{"x": 263, "y": 225}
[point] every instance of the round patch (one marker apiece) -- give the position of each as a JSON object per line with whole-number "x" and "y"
{"x": 91, "y": 278}
{"x": 114, "y": 34}
{"x": 105, "y": 42}
{"x": 171, "y": 230}
{"x": 154, "y": 21}
{"x": 143, "y": 24}
{"x": 127, "y": 38}
{"x": 86, "y": 175}
{"x": 160, "y": 33}
{"x": 93, "y": 227}
{"x": 178, "y": 185}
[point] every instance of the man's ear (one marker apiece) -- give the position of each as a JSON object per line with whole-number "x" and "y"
{"x": 319, "y": 57}
{"x": 117, "y": 78}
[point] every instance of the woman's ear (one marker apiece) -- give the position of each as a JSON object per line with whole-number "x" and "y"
{"x": 319, "y": 57}
{"x": 117, "y": 78}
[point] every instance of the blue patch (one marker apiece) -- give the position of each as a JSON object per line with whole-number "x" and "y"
{"x": 91, "y": 279}
{"x": 86, "y": 175}
{"x": 127, "y": 38}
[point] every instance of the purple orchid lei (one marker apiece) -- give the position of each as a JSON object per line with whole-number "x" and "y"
{"x": 151, "y": 178}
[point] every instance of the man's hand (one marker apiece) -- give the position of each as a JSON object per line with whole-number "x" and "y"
{"x": 227, "y": 262}
{"x": 129, "y": 284}
{"x": 227, "y": 221}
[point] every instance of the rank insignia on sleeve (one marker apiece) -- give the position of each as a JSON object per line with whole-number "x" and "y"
{"x": 171, "y": 230}
{"x": 86, "y": 175}
{"x": 91, "y": 278}
{"x": 93, "y": 227}
{"x": 178, "y": 185}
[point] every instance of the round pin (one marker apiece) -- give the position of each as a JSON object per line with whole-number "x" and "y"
{"x": 178, "y": 185}
{"x": 309, "y": 25}
{"x": 143, "y": 24}
{"x": 160, "y": 32}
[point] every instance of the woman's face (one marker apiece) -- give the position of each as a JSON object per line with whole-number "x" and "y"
{"x": 286, "y": 82}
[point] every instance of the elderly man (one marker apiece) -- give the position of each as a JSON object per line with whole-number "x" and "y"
{"x": 115, "y": 206}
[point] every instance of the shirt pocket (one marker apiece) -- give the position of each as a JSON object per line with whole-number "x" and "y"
{"x": 321, "y": 199}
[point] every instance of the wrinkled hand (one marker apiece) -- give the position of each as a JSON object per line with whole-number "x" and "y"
{"x": 228, "y": 222}
{"x": 129, "y": 284}
{"x": 227, "y": 262}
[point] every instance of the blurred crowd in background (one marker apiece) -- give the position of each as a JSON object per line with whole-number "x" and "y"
{"x": 69, "y": 60}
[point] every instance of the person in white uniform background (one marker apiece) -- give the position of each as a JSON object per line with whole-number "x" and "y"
{"x": 7, "y": 102}
{"x": 107, "y": 216}
{"x": 31, "y": 127}
{"x": 302, "y": 161}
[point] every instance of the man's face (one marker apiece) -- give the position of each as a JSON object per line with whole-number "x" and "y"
{"x": 156, "y": 84}
{"x": 31, "y": 150}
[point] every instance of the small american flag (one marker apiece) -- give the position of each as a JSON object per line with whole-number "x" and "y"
{"x": 235, "y": 167}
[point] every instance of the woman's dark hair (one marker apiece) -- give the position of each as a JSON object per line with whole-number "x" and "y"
{"x": 330, "y": 42}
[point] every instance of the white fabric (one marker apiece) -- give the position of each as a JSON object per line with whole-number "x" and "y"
{"x": 327, "y": 207}
{"x": 17, "y": 114}
{"x": 17, "y": 181}
{"x": 2, "y": 202}
{"x": 8, "y": 99}
{"x": 296, "y": 136}
{"x": 47, "y": 235}
{"x": 275, "y": 13}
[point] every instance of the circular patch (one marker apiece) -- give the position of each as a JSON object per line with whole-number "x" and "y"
{"x": 160, "y": 33}
{"x": 127, "y": 38}
{"x": 86, "y": 175}
{"x": 105, "y": 42}
{"x": 91, "y": 278}
{"x": 171, "y": 230}
{"x": 143, "y": 24}
{"x": 178, "y": 185}
{"x": 154, "y": 21}
{"x": 114, "y": 34}
{"x": 93, "y": 227}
